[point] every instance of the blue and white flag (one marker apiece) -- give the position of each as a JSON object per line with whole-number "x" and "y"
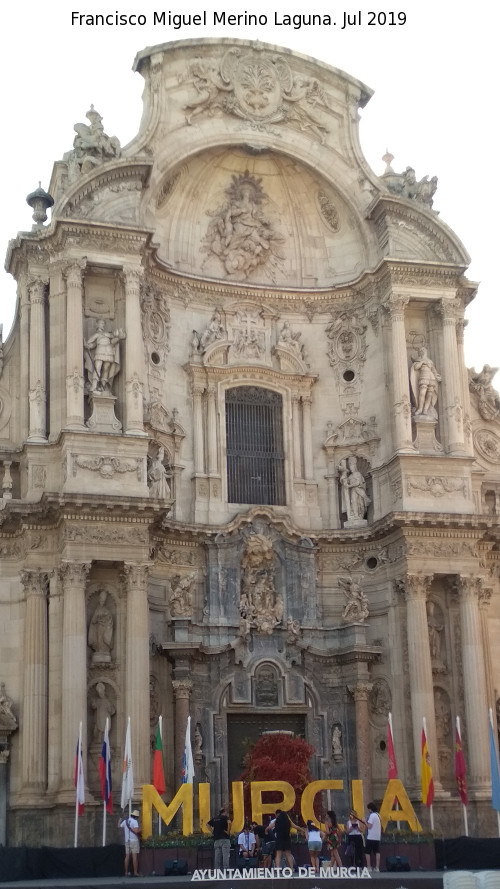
{"x": 495, "y": 776}
{"x": 187, "y": 762}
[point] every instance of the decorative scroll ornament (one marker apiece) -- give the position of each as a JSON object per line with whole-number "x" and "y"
{"x": 488, "y": 445}
{"x": 155, "y": 316}
{"x": 346, "y": 333}
{"x": 261, "y": 607}
{"x": 259, "y": 88}
{"x": 242, "y": 236}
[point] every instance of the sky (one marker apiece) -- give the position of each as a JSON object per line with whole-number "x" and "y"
{"x": 435, "y": 77}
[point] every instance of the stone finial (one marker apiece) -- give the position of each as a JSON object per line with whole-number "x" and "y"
{"x": 40, "y": 201}
{"x": 388, "y": 159}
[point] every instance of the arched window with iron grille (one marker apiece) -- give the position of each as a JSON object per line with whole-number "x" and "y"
{"x": 254, "y": 446}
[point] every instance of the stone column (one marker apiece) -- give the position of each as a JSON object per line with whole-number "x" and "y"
{"x": 74, "y": 345}
{"x": 212, "y": 430}
{"x": 4, "y": 759}
{"x": 24, "y": 356}
{"x": 134, "y": 356}
{"x": 198, "y": 448}
{"x": 137, "y": 669}
{"x": 297, "y": 451}
{"x": 34, "y": 722}
{"x": 54, "y": 730}
{"x": 416, "y": 587}
{"x": 307, "y": 432}
{"x": 73, "y": 577}
{"x": 464, "y": 383}
{"x": 485, "y": 594}
{"x": 395, "y": 307}
{"x": 37, "y": 365}
{"x": 476, "y": 704}
{"x": 451, "y": 311}
{"x": 361, "y": 692}
{"x": 7, "y": 480}
{"x": 182, "y": 691}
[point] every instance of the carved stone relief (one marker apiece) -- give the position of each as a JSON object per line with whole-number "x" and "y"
{"x": 488, "y": 445}
{"x": 437, "y": 486}
{"x": 266, "y": 686}
{"x": 181, "y": 595}
{"x": 155, "y": 317}
{"x": 328, "y": 210}
{"x": 356, "y": 607}
{"x": 380, "y": 701}
{"x": 258, "y": 88}
{"x": 107, "y": 466}
{"x": 242, "y": 235}
{"x": 347, "y": 347}
{"x": 260, "y": 604}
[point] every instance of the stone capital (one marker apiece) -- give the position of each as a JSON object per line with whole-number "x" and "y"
{"x": 182, "y": 688}
{"x": 73, "y": 272}
{"x": 395, "y": 305}
{"x": 469, "y": 587}
{"x": 136, "y": 575}
{"x": 35, "y": 583}
{"x": 74, "y": 573}
{"x": 132, "y": 277}
{"x": 450, "y": 310}
{"x": 37, "y": 290}
{"x": 416, "y": 586}
{"x": 360, "y": 691}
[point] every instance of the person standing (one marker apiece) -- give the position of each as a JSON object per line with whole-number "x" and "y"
{"x": 283, "y": 842}
{"x": 221, "y": 828}
{"x": 131, "y": 834}
{"x": 314, "y": 837}
{"x": 355, "y": 831}
{"x": 373, "y": 836}
{"x": 333, "y": 838}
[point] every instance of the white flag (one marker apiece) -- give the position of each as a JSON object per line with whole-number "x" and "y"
{"x": 188, "y": 764}
{"x": 128, "y": 771}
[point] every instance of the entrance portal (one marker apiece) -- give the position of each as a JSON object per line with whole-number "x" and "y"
{"x": 244, "y": 729}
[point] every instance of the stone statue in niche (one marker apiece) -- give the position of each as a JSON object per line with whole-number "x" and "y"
{"x": 354, "y": 501}
{"x": 260, "y": 604}
{"x": 241, "y": 235}
{"x": 356, "y": 607}
{"x": 198, "y": 745}
{"x": 101, "y": 628}
{"x": 91, "y": 146}
{"x": 488, "y": 399}
{"x": 215, "y": 331}
{"x": 337, "y": 746}
{"x": 424, "y": 380}
{"x": 181, "y": 600}
{"x": 159, "y": 486}
{"x": 103, "y": 709}
{"x": 102, "y": 357}
{"x": 436, "y": 628}
{"x": 294, "y": 631}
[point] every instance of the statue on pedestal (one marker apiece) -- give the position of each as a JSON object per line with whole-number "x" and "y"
{"x": 102, "y": 357}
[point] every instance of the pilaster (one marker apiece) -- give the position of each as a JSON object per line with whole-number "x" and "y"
{"x": 74, "y": 345}
{"x": 395, "y": 306}
{"x": 37, "y": 362}
{"x": 34, "y": 722}
{"x": 182, "y": 691}
{"x": 137, "y": 668}
{"x": 134, "y": 357}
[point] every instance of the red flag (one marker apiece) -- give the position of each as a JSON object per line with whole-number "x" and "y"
{"x": 105, "y": 772}
{"x": 392, "y": 769}
{"x": 158, "y": 773}
{"x": 427, "y": 780}
{"x": 79, "y": 779}
{"x": 460, "y": 767}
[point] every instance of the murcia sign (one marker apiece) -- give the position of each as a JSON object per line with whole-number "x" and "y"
{"x": 279, "y": 873}
{"x": 395, "y": 794}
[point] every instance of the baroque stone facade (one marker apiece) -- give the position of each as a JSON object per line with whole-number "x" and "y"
{"x": 245, "y": 473}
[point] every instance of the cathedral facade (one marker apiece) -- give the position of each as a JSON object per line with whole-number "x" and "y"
{"x": 246, "y": 475}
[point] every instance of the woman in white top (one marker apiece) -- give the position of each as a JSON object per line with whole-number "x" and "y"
{"x": 314, "y": 837}
{"x": 354, "y": 828}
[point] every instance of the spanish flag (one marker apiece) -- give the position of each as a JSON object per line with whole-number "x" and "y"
{"x": 427, "y": 782}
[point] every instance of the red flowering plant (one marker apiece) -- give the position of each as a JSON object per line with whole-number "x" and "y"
{"x": 278, "y": 756}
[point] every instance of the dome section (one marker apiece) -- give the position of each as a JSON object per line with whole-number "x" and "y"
{"x": 262, "y": 219}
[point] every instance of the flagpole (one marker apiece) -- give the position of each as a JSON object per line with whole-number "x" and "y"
{"x": 160, "y": 723}
{"x": 431, "y": 813}
{"x": 466, "y": 825}
{"x": 78, "y": 758}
